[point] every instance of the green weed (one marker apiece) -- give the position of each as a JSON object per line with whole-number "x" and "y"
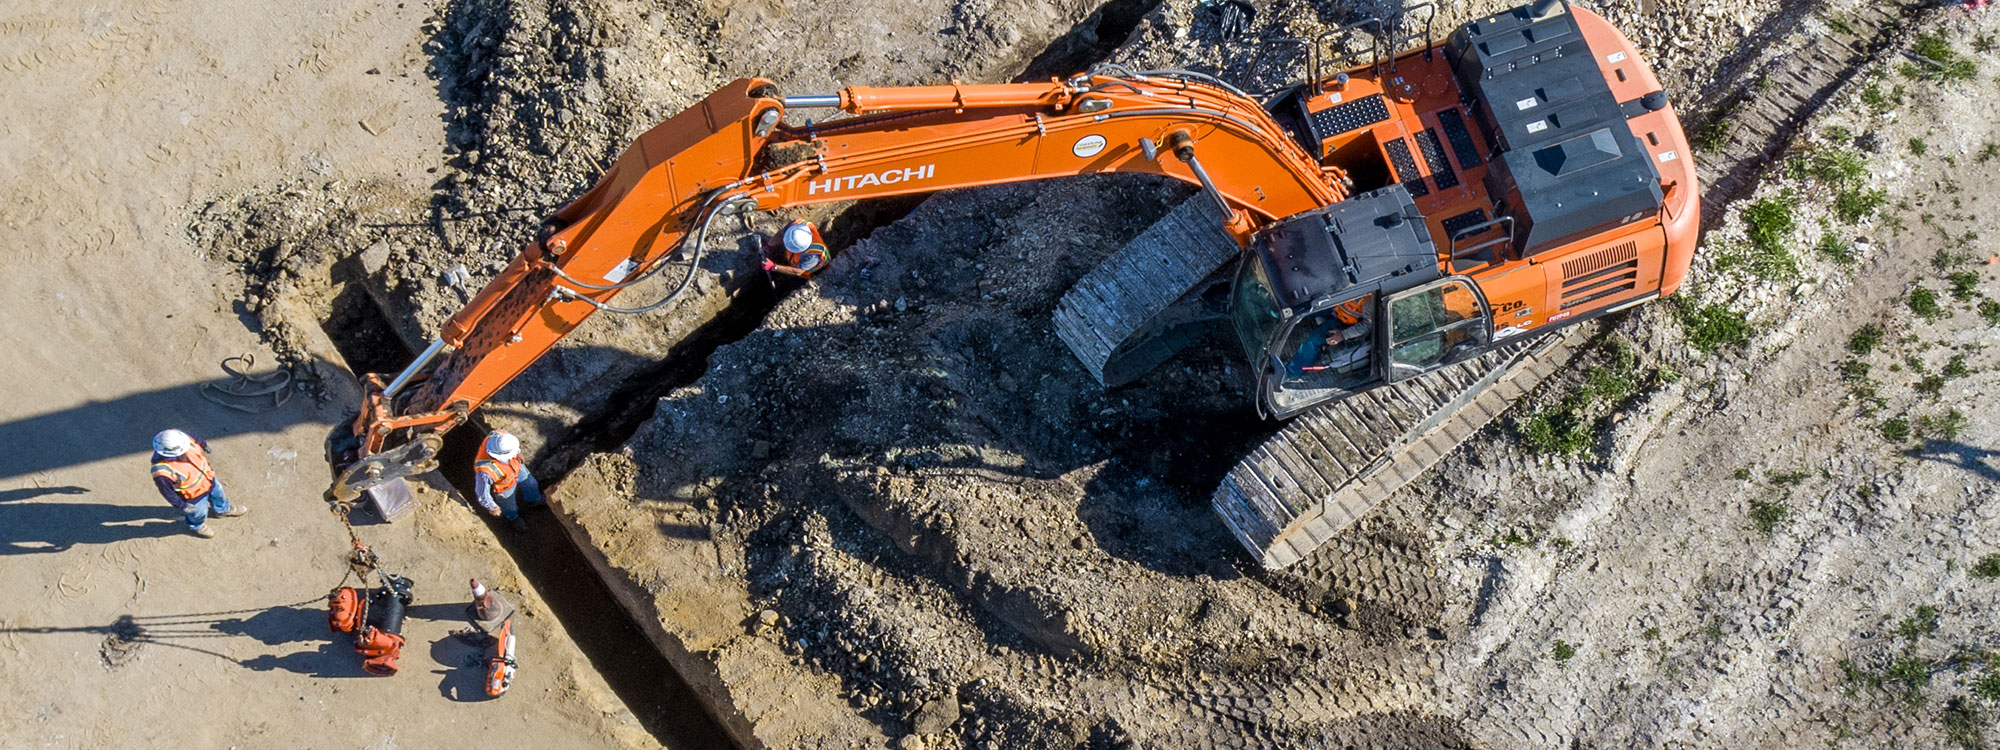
{"x": 1963, "y": 725}
{"x": 1765, "y": 515}
{"x": 1865, "y": 339}
{"x": 1714, "y": 326}
{"x": 1920, "y": 623}
{"x": 1563, "y": 650}
{"x": 1857, "y": 203}
{"x": 1990, "y": 310}
{"x": 1987, "y": 567}
{"x": 1918, "y": 147}
{"x": 1835, "y": 249}
{"x": 1946, "y": 426}
{"x": 1964, "y": 285}
{"x": 1896, "y": 430}
{"x": 1924, "y": 304}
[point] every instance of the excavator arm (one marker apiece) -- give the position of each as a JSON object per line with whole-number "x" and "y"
{"x": 732, "y": 152}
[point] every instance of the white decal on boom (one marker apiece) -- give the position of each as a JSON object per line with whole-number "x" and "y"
{"x": 884, "y": 177}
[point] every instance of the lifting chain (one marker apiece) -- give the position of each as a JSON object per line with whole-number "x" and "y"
{"x": 362, "y": 562}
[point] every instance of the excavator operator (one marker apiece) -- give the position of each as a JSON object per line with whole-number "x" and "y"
{"x": 1338, "y": 342}
{"x": 798, "y": 251}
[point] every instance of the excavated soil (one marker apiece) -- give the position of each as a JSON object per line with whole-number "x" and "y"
{"x": 898, "y": 508}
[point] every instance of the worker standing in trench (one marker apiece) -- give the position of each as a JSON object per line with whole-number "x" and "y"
{"x": 186, "y": 479}
{"x": 501, "y": 481}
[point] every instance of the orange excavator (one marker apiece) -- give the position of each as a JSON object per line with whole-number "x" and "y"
{"x": 1390, "y": 218}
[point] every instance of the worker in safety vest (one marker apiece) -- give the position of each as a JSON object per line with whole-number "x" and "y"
{"x": 186, "y": 479}
{"x": 500, "y": 477}
{"x": 798, "y": 251}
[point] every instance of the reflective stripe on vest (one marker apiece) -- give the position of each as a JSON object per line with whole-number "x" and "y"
{"x": 190, "y": 474}
{"x": 810, "y": 260}
{"x": 501, "y": 475}
{"x": 1350, "y": 312}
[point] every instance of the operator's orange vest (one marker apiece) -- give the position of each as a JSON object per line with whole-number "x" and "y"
{"x": 501, "y": 475}
{"x": 189, "y": 473}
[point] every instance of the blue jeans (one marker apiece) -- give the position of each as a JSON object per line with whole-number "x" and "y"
{"x": 198, "y": 508}
{"x": 527, "y": 489}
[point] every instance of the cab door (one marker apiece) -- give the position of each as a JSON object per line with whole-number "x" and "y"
{"x": 1437, "y": 324}
{"x": 1324, "y": 355}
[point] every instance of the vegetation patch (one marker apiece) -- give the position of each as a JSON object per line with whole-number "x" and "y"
{"x": 1896, "y": 430}
{"x": 1988, "y": 567}
{"x": 1946, "y": 426}
{"x": 1964, "y": 285}
{"x": 1947, "y": 63}
{"x": 1571, "y": 426}
{"x": 1865, "y": 339}
{"x": 1857, "y": 203}
{"x": 1563, "y": 650}
{"x": 1924, "y": 303}
{"x": 1711, "y": 327}
{"x": 1765, "y": 515}
{"x": 1770, "y": 224}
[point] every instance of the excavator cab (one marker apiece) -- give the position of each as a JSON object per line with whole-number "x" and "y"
{"x": 1333, "y": 302}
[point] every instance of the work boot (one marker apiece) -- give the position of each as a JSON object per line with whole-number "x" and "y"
{"x": 517, "y": 524}
{"x": 204, "y": 532}
{"x": 234, "y": 511}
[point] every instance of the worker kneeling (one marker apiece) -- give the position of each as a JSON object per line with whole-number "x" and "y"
{"x": 185, "y": 478}
{"x": 500, "y": 479}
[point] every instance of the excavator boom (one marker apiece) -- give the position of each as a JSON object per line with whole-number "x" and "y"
{"x": 732, "y": 152}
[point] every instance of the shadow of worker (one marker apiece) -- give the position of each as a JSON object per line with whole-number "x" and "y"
{"x": 28, "y": 528}
{"x": 1980, "y": 461}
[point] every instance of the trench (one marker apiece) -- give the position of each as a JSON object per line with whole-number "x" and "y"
{"x": 608, "y": 634}
{"x": 582, "y": 602}
{"x": 1090, "y": 41}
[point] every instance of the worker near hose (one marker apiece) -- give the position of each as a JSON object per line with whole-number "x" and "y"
{"x": 798, "y": 251}
{"x": 186, "y": 479}
{"x": 500, "y": 479}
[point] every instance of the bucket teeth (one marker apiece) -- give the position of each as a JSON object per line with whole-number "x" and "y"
{"x": 1111, "y": 320}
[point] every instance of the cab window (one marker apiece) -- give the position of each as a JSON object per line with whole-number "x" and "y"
{"x": 1435, "y": 325}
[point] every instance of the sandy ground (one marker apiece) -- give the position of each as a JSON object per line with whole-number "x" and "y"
{"x": 119, "y": 116}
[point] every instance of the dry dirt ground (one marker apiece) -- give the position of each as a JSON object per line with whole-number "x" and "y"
{"x": 896, "y": 510}
{"x": 117, "y": 627}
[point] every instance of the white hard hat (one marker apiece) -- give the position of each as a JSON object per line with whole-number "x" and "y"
{"x": 798, "y": 236}
{"x": 502, "y": 445}
{"x": 172, "y": 443}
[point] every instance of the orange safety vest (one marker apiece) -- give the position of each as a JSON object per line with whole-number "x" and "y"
{"x": 190, "y": 474}
{"x": 1350, "y": 312}
{"x": 813, "y": 260}
{"x": 501, "y": 475}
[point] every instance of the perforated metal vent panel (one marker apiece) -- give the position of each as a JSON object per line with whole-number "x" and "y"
{"x": 1406, "y": 168}
{"x": 1455, "y": 224}
{"x": 1354, "y": 115}
{"x": 1441, "y": 171}
{"x": 1459, "y": 137}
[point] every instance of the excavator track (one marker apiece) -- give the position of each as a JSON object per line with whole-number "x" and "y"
{"x": 1116, "y": 319}
{"x": 1326, "y": 468}
{"x": 1329, "y": 466}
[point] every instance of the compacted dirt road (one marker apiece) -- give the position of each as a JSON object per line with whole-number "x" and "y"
{"x": 117, "y": 627}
